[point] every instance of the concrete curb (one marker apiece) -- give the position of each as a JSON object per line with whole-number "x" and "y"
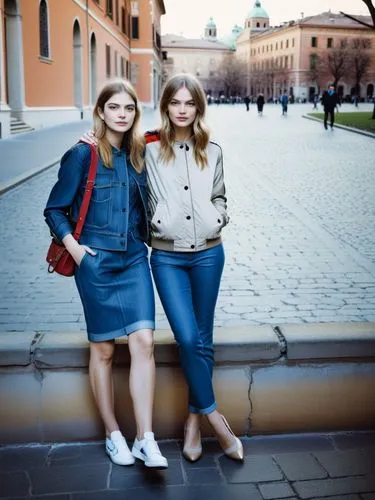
{"x": 16, "y": 181}
{"x": 289, "y": 378}
{"x": 344, "y": 127}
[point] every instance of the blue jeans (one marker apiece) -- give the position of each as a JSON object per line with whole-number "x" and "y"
{"x": 188, "y": 286}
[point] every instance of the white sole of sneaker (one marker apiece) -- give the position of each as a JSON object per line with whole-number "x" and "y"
{"x": 151, "y": 465}
{"x": 131, "y": 461}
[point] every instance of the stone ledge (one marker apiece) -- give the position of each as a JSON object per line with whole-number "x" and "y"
{"x": 329, "y": 340}
{"x": 58, "y": 350}
{"x": 242, "y": 344}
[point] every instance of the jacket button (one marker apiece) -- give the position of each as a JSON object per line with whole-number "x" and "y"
{"x": 188, "y": 217}
{"x": 219, "y": 221}
{"x": 181, "y": 147}
{"x": 159, "y": 222}
{"x": 192, "y": 246}
{"x": 186, "y": 188}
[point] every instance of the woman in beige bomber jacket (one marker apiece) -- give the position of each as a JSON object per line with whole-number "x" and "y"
{"x": 187, "y": 210}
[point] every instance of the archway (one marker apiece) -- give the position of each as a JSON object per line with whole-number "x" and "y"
{"x": 77, "y": 64}
{"x": 15, "y": 83}
{"x": 93, "y": 68}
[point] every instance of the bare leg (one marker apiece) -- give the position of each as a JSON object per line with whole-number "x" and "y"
{"x": 101, "y": 380}
{"x": 142, "y": 378}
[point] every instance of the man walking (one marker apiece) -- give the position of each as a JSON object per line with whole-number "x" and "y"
{"x": 329, "y": 101}
{"x": 284, "y": 99}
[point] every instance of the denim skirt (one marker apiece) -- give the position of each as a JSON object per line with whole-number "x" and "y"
{"x": 116, "y": 291}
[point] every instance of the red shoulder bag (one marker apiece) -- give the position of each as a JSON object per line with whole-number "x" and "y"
{"x": 58, "y": 258}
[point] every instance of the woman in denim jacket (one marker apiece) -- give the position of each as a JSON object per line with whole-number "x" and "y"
{"x": 112, "y": 273}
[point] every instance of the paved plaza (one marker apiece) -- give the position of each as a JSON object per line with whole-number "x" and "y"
{"x": 333, "y": 467}
{"x": 300, "y": 246}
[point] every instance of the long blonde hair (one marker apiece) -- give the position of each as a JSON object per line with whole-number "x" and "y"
{"x": 133, "y": 141}
{"x": 201, "y": 133}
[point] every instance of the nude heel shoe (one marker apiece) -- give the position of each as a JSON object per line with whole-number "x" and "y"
{"x": 192, "y": 454}
{"x": 236, "y": 450}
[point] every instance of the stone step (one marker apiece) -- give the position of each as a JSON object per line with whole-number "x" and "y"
{"x": 19, "y": 127}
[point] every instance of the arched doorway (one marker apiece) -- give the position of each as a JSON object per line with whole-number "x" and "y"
{"x": 15, "y": 84}
{"x": 370, "y": 90}
{"x": 77, "y": 64}
{"x": 93, "y": 68}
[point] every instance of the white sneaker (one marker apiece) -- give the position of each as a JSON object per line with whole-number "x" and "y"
{"x": 117, "y": 449}
{"x": 147, "y": 450}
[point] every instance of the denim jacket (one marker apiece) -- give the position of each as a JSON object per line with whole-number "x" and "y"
{"x": 106, "y": 224}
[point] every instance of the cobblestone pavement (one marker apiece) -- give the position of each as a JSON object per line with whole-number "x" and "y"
{"x": 300, "y": 246}
{"x": 333, "y": 467}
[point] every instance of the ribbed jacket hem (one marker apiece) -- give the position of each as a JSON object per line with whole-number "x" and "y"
{"x": 173, "y": 245}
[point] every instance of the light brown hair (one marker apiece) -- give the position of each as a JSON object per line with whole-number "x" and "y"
{"x": 201, "y": 134}
{"x": 133, "y": 141}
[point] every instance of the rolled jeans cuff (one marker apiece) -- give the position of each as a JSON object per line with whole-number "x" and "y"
{"x": 205, "y": 411}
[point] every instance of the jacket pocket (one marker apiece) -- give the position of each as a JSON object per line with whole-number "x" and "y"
{"x": 163, "y": 224}
{"x": 210, "y": 221}
{"x": 100, "y": 208}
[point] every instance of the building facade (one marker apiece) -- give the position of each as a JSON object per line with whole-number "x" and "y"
{"x": 200, "y": 56}
{"x": 55, "y": 56}
{"x": 286, "y": 57}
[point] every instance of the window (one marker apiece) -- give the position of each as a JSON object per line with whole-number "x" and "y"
{"x": 122, "y": 67}
{"x": 281, "y": 45}
{"x": 276, "y": 46}
{"x": 286, "y": 62}
{"x": 314, "y": 41}
{"x": 135, "y": 27}
{"x": 43, "y": 29}
{"x": 292, "y": 42}
{"x": 117, "y": 15}
{"x": 313, "y": 59}
{"x": 127, "y": 69}
{"x": 291, "y": 62}
{"x": 123, "y": 20}
{"x": 287, "y": 44}
{"x": 109, "y": 8}
{"x": 116, "y": 63}
{"x": 258, "y": 25}
{"x": 329, "y": 43}
{"x": 108, "y": 61}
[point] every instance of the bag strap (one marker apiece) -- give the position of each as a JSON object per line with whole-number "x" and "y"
{"x": 88, "y": 191}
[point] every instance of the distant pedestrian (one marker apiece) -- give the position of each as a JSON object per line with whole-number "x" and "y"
{"x": 284, "y": 99}
{"x": 246, "y": 100}
{"x": 329, "y": 102}
{"x": 260, "y": 104}
{"x": 315, "y": 101}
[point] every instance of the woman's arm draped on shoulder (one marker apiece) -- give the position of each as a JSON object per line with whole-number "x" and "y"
{"x": 64, "y": 191}
{"x": 218, "y": 197}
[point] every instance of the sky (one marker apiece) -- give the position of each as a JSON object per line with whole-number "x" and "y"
{"x": 189, "y": 17}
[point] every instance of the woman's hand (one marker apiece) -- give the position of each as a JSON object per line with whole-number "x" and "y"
{"x": 79, "y": 252}
{"x": 76, "y": 250}
{"x": 89, "y": 138}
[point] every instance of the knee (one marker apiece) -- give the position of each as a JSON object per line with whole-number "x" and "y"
{"x": 142, "y": 343}
{"x": 102, "y": 352}
{"x": 189, "y": 346}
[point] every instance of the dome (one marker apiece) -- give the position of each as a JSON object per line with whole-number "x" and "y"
{"x": 211, "y": 23}
{"x": 230, "y": 40}
{"x": 257, "y": 11}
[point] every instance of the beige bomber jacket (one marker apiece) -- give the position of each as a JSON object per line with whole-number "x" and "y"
{"x": 187, "y": 204}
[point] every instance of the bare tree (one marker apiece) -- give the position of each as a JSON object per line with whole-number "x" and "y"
{"x": 231, "y": 75}
{"x": 371, "y": 7}
{"x": 336, "y": 62}
{"x": 360, "y": 61}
